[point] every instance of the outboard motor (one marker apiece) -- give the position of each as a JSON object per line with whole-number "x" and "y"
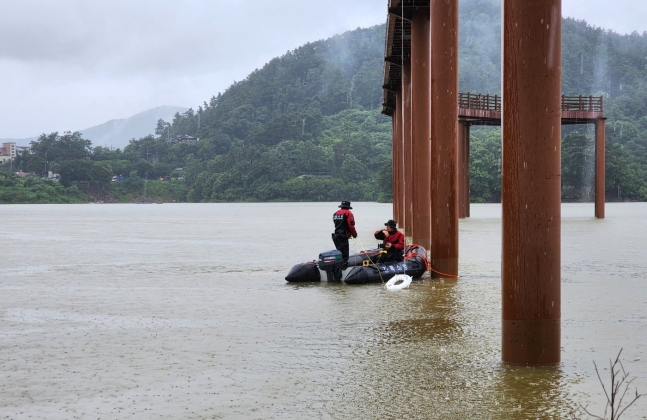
{"x": 331, "y": 262}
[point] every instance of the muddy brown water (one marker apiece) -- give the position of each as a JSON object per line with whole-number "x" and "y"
{"x": 181, "y": 311}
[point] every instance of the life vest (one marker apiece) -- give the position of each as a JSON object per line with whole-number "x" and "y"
{"x": 344, "y": 223}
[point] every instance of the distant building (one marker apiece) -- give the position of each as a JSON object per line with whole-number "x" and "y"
{"x": 8, "y": 149}
{"x": 185, "y": 138}
{"x": 179, "y": 175}
{"x": 51, "y": 176}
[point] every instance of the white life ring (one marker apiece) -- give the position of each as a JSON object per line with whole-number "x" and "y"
{"x": 394, "y": 285}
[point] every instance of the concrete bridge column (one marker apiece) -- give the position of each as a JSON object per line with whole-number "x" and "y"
{"x": 599, "y": 168}
{"x": 444, "y": 137}
{"x": 463, "y": 170}
{"x": 407, "y": 167}
{"x": 530, "y": 189}
{"x": 421, "y": 116}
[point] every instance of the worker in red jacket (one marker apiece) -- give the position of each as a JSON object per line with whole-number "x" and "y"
{"x": 344, "y": 228}
{"x": 392, "y": 242}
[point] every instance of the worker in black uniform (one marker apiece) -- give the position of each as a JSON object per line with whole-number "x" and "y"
{"x": 344, "y": 228}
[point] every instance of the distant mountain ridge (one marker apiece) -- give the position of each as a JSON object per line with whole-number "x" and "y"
{"x": 117, "y": 133}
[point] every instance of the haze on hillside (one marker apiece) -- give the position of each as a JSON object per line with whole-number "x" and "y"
{"x": 117, "y": 133}
{"x": 76, "y": 64}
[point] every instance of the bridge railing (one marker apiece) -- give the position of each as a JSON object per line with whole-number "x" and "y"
{"x": 479, "y": 101}
{"x": 493, "y": 102}
{"x": 582, "y": 103}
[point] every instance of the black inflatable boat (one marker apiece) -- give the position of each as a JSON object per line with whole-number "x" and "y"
{"x": 310, "y": 271}
{"x": 362, "y": 268}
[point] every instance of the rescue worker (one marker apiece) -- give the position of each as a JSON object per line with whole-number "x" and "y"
{"x": 392, "y": 242}
{"x": 344, "y": 228}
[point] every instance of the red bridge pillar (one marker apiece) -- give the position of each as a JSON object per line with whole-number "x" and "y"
{"x": 407, "y": 169}
{"x": 599, "y": 168}
{"x": 395, "y": 179}
{"x": 444, "y": 140}
{"x": 531, "y": 174}
{"x": 394, "y": 130}
{"x": 421, "y": 115}
{"x": 463, "y": 170}
{"x": 397, "y": 159}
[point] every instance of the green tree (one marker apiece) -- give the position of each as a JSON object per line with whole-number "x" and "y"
{"x": 485, "y": 165}
{"x": 577, "y": 166}
{"x": 69, "y": 146}
{"x": 100, "y": 174}
{"x": 74, "y": 170}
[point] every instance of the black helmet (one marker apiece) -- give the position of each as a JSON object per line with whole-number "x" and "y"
{"x": 391, "y": 223}
{"x": 345, "y": 205}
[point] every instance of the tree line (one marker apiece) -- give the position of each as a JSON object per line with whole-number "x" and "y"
{"x": 308, "y": 125}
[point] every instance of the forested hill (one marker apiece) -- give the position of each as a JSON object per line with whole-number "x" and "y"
{"x": 307, "y": 126}
{"x": 295, "y": 91}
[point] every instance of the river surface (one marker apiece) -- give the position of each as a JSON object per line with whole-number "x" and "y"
{"x": 181, "y": 311}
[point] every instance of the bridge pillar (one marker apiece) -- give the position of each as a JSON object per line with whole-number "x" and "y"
{"x": 599, "y": 168}
{"x": 394, "y": 131}
{"x": 463, "y": 170}
{"x": 421, "y": 115}
{"x": 531, "y": 171}
{"x": 407, "y": 168}
{"x": 444, "y": 136}
{"x": 397, "y": 159}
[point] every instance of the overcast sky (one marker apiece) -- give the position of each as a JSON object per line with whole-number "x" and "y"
{"x": 73, "y": 64}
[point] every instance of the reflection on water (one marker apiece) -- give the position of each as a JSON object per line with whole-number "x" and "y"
{"x": 532, "y": 392}
{"x": 181, "y": 311}
{"x": 432, "y": 356}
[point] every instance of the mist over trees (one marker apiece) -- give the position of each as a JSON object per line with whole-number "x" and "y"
{"x": 308, "y": 125}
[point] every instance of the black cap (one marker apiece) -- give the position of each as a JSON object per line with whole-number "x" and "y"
{"x": 392, "y": 223}
{"x": 345, "y": 205}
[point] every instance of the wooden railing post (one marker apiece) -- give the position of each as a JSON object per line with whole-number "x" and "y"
{"x": 489, "y": 102}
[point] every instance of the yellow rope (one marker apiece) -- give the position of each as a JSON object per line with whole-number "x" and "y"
{"x": 369, "y": 257}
